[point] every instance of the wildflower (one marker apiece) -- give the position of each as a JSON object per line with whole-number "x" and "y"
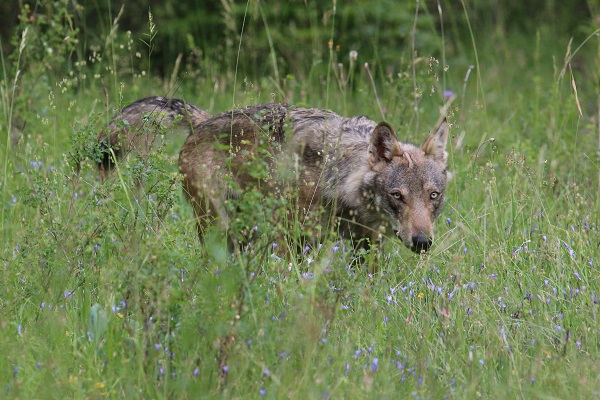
{"x": 448, "y": 93}
{"x": 225, "y": 369}
{"x": 347, "y": 369}
{"x": 266, "y": 372}
{"x": 262, "y": 391}
{"x": 374, "y": 364}
{"x": 448, "y": 221}
{"x": 196, "y": 371}
{"x": 353, "y": 55}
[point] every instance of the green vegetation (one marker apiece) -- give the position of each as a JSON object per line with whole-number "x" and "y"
{"x": 106, "y": 292}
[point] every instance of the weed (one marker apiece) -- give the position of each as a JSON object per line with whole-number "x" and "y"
{"x": 107, "y": 292}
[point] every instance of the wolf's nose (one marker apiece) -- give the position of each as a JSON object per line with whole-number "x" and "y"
{"x": 420, "y": 243}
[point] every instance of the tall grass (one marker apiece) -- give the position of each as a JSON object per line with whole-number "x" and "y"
{"x": 107, "y": 292}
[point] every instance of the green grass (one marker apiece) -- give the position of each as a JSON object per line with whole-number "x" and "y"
{"x": 106, "y": 291}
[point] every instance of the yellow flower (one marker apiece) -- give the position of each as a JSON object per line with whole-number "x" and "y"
{"x": 100, "y": 385}
{"x": 420, "y": 296}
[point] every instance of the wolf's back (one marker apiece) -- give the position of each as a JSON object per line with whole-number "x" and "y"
{"x": 136, "y": 128}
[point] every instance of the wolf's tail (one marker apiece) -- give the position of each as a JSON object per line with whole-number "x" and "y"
{"x": 137, "y": 127}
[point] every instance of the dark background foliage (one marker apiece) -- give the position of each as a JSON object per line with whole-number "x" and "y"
{"x": 296, "y": 31}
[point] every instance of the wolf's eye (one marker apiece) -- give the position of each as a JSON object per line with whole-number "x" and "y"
{"x": 434, "y": 195}
{"x": 396, "y": 195}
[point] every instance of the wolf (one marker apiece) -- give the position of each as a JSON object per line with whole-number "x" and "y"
{"x": 137, "y": 127}
{"x": 351, "y": 174}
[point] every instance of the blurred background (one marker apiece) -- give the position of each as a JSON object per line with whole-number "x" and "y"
{"x": 295, "y": 32}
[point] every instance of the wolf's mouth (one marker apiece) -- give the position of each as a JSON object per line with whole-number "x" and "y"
{"x": 420, "y": 243}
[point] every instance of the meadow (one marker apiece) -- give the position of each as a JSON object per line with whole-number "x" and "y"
{"x": 106, "y": 292}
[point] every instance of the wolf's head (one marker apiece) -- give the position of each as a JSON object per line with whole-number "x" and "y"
{"x": 409, "y": 183}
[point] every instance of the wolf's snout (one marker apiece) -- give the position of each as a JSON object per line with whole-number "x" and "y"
{"x": 420, "y": 243}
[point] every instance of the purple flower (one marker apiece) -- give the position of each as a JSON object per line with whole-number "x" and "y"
{"x": 576, "y": 275}
{"x": 347, "y": 369}
{"x": 262, "y": 391}
{"x": 225, "y": 368}
{"x": 374, "y": 364}
{"x": 196, "y": 371}
{"x": 266, "y": 372}
{"x": 448, "y": 93}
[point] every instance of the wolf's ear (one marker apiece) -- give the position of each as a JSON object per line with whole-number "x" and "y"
{"x": 435, "y": 144}
{"x": 384, "y": 144}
